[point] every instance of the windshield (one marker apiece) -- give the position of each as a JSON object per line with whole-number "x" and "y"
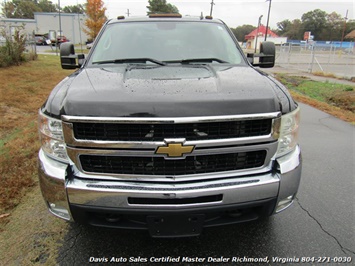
{"x": 174, "y": 42}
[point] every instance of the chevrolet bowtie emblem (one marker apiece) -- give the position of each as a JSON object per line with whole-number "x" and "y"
{"x": 175, "y": 150}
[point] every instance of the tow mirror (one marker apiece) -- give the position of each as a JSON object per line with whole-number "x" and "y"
{"x": 266, "y": 55}
{"x": 68, "y": 58}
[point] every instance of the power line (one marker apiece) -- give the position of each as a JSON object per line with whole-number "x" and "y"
{"x": 267, "y": 22}
{"x": 344, "y": 28}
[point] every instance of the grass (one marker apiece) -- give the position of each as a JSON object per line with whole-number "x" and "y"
{"x": 324, "y": 74}
{"x": 23, "y": 90}
{"x": 333, "y": 98}
{"x": 32, "y": 236}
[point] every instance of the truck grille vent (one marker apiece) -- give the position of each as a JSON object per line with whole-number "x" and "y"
{"x": 159, "y": 132}
{"x": 160, "y": 166}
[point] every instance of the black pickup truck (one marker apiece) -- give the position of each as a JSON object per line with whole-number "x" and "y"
{"x": 167, "y": 126}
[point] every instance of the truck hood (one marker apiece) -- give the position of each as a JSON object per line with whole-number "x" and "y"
{"x": 164, "y": 91}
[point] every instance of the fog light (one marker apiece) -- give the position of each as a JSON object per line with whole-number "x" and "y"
{"x": 61, "y": 212}
{"x": 112, "y": 218}
{"x": 284, "y": 204}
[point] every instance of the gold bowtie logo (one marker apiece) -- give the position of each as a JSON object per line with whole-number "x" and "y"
{"x": 174, "y": 150}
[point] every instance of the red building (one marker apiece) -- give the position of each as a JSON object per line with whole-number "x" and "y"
{"x": 260, "y": 32}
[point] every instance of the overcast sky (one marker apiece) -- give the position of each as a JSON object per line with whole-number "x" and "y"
{"x": 233, "y": 12}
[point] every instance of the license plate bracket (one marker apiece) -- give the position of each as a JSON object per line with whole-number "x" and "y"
{"x": 175, "y": 225}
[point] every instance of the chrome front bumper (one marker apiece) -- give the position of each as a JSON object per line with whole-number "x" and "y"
{"x": 61, "y": 189}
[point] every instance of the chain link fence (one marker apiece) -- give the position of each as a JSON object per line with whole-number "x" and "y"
{"x": 337, "y": 59}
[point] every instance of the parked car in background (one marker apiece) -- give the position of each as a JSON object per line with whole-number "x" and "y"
{"x": 61, "y": 39}
{"x": 40, "y": 40}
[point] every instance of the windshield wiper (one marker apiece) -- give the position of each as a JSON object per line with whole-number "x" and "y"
{"x": 198, "y": 60}
{"x": 131, "y": 60}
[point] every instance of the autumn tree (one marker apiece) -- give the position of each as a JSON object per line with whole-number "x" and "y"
{"x": 161, "y": 6}
{"x": 95, "y": 12}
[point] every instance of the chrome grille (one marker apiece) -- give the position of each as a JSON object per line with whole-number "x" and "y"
{"x": 159, "y": 132}
{"x": 125, "y": 148}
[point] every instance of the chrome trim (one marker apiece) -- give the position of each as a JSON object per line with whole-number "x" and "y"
{"x": 289, "y": 161}
{"x": 290, "y": 169}
{"x": 115, "y": 194}
{"x": 284, "y": 208}
{"x": 76, "y": 147}
{"x": 52, "y": 178}
{"x": 58, "y": 189}
{"x": 72, "y": 141}
{"x": 167, "y": 120}
{"x": 172, "y": 179}
{"x": 270, "y": 148}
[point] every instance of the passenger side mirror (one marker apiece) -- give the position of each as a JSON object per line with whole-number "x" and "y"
{"x": 68, "y": 58}
{"x": 266, "y": 55}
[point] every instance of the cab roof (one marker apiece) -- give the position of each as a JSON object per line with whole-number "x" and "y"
{"x": 165, "y": 17}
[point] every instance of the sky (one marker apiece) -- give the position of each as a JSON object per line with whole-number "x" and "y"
{"x": 233, "y": 12}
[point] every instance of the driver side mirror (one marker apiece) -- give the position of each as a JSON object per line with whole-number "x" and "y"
{"x": 68, "y": 58}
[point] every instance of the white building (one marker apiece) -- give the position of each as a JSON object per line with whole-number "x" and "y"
{"x": 70, "y": 24}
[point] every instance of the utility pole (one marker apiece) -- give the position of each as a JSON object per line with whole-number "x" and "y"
{"x": 60, "y": 29}
{"x": 81, "y": 41}
{"x": 342, "y": 36}
{"x": 60, "y": 19}
{"x": 128, "y": 13}
{"x": 257, "y": 33}
{"x": 212, "y": 4}
{"x": 267, "y": 22}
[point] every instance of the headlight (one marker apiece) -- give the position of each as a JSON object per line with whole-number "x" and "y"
{"x": 51, "y": 135}
{"x": 288, "y": 134}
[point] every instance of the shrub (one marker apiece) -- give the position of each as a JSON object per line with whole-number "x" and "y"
{"x": 5, "y": 58}
{"x": 13, "y": 52}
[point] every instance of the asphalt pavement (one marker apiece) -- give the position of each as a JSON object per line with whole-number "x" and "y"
{"x": 318, "y": 229}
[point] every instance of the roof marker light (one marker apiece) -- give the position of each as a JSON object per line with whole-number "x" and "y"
{"x": 172, "y": 15}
